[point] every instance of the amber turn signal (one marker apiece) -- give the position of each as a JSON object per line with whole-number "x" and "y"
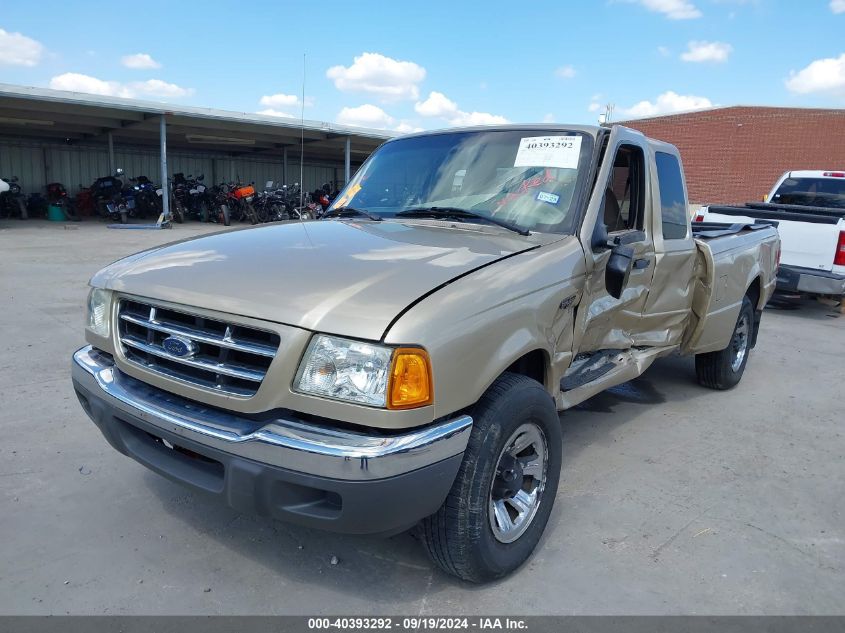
{"x": 410, "y": 383}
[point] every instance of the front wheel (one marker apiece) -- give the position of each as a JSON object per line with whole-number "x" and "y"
{"x": 723, "y": 370}
{"x": 223, "y": 216}
{"x": 503, "y": 494}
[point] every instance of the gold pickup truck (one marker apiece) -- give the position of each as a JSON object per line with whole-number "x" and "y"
{"x": 403, "y": 361}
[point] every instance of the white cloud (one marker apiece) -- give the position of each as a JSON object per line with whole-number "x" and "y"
{"x": 77, "y": 82}
{"x": 663, "y": 51}
{"x": 837, "y": 6}
{"x": 565, "y": 72}
{"x": 272, "y": 112}
{"x": 439, "y": 106}
{"x": 17, "y": 49}
{"x": 672, "y": 9}
{"x": 407, "y": 128}
{"x": 699, "y": 51}
{"x": 549, "y": 118}
{"x": 159, "y": 88}
{"x": 366, "y": 115}
{"x": 384, "y": 77}
{"x": 667, "y": 103}
{"x": 139, "y": 61}
{"x": 821, "y": 76}
{"x": 478, "y": 118}
{"x": 282, "y": 100}
{"x": 595, "y": 103}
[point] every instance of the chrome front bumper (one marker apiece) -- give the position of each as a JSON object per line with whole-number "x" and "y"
{"x": 282, "y": 442}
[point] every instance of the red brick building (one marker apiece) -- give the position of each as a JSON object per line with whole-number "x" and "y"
{"x": 735, "y": 154}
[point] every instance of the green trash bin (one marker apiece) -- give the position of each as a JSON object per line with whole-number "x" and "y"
{"x": 55, "y": 213}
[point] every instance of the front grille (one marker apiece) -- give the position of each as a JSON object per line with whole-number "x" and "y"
{"x": 221, "y": 356}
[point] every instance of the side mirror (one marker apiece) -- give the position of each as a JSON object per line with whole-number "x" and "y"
{"x": 118, "y": 172}
{"x": 201, "y": 177}
{"x": 618, "y": 270}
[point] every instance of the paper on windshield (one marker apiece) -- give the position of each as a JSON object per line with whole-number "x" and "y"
{"x": 548, "y": 151}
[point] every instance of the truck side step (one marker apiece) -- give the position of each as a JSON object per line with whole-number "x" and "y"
{"x": 587, "y": 368}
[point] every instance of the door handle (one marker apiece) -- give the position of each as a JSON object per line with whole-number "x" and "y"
{"x": 641, "y": 264}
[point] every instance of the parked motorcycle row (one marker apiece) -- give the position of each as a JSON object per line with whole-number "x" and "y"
{"x": 119, "y": 199}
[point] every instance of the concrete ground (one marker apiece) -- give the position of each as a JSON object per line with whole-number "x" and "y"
{"x": 673, "y": 498}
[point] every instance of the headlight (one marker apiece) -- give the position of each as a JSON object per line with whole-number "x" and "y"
{"x": 373, "y": 375}
{"x": 99, "y": 301}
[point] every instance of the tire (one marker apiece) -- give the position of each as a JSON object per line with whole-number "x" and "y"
{"x": 225, "y": 220}
{"x": 251, "y": 214}
{"x": 460, "y": 537}
{"x": 23, "y": 213}
{"x": 177, "y": 214}
{"x": 124, "y": 217}
{"x": 305, "y": 216}
{"x": 203, "y": 207}
{"x": 723, "y": 369}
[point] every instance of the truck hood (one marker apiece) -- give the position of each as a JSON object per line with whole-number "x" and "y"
{"x": 340, "y": 277}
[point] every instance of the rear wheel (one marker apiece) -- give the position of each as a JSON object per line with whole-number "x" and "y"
{"x": 203, "y": 207}
{"x": 501, "y": 499}
{"x": 723, "y": 369}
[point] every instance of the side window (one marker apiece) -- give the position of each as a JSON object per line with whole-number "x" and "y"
{"x": 673, "y": 203}
{"x": 624, "y": 195}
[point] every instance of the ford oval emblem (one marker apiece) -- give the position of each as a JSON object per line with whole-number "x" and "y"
{"x": 179, "y": 346}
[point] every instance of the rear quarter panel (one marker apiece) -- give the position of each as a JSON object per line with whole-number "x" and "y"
{"x": 725, "y": 269}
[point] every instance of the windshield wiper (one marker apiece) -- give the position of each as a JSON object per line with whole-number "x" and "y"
{"x": 349, "y": 212}
{"x": 458, "y": 214}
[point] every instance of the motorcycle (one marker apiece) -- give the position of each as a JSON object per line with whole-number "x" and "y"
{"x": 144, "y": 192}
{"x": 12, "y": 201}
{"x": 219, "y": 195}
{"x": 108, "y": 200}
{"x": 36, "y": 205}
{"x": 194, "y": 199}
{"x": 272, "y": 204}
{"x": 237, "y": 199}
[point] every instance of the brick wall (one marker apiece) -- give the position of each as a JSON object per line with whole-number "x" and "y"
{"x": 735, "y": 154}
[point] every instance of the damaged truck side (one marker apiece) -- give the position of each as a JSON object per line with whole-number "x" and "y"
{"x": 466, "y": 286}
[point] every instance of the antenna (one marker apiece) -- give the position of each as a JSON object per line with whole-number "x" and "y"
{"x": 302, "y": 138}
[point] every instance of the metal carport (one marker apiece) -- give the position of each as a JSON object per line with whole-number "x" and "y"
{"x": 51, "y": 135}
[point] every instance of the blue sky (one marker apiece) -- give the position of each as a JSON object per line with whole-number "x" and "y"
{"x": 408, "y": 65}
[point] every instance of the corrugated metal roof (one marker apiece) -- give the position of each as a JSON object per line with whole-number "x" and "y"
{"x": 32, "y": 93}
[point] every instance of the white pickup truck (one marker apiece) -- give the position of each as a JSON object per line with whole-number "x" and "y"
{"x": 809, "y": 208}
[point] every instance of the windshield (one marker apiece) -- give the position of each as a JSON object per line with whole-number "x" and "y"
{"x": 812, "y": 192}
{"x": 521, "y": 177}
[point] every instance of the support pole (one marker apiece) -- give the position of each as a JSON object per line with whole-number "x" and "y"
{"x": 285, "y": 166}
{"x": 165, "y": 194}
{"x": 111, "y": 153}
{"x": 347, "y": 154}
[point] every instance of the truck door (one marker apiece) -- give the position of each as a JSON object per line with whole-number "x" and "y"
{"x": 620, "y": 201}
{"x": 667, "y": 307}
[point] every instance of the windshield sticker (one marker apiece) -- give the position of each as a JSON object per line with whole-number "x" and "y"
{"x": 548, "y": 151}
{"x": 545, "y": 196}
{"x": 344, "y": 200}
